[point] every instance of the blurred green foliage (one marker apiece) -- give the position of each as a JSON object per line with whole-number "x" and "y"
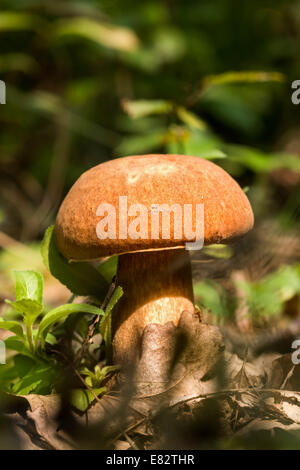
{"x": 91, "y": 80}
{"x": 263, "y": 298}
{"x": 35, "y": 368}
{"x": 269, "y": 295}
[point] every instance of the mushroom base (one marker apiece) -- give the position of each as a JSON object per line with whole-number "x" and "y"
{"x": 157, "y": 289}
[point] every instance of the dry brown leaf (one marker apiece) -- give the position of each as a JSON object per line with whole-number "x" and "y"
{"x": 178, "y": 363}
{"x": 266, "y": 425}
{"x": 284, "y": 374}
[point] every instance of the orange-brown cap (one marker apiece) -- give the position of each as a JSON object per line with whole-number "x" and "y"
{"x": 150, "y": 180}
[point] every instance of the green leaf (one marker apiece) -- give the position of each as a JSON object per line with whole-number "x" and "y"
{"x": 63, "y": 311}
{"x": 29, "y": 285}
{"x": 81, "y": 278}
{"x": 16, "y": 367}
{"x": 16, "y": 344}
{"x": 194, "y": 142}
{"x": 100, "y": 374}
{"x": 22, "y": 364}
{"x": 115, "y": 37}
{"x": 218, "y": 251}
{"x": 105, "y": 325}
{"x": 39, "y": 379}
{"x": 108, "y": 269}
{"x": 259, "y": 161}
{"x": 50, "y": 339}
{"x": 94, "y": 379}
{"x": 190, "y": 119}
{"x": 141, "y": 143}
{"x": 210, "y": 295}
{"x": 252, "y": 158}
{"x": 29, "y": 295}
{"x": 267, "y": 296}
{"x": 87, "y": 372}
{"x": 214, "y": 154}
{"x": 118, "y": 292}
{"x": 26, "y": 385}
{"x": 243, "y": 77}
{"x": 28, "y": 307}
{"x": 81, "y": 399}
{"x": 12, "y": 326}
{"x": 142, "y": 108}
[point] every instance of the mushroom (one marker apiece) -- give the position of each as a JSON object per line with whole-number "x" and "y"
{"x": 112, "y": 209}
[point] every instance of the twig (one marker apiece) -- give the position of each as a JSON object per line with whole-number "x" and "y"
{"x": 86, "y": 385}
{"x": 204, "y": 395}
{"x": 233, "y": 391}
{"x": 288, "y": 376}
{"x": 130, "y": 441}
{"x": 130, "y": 428}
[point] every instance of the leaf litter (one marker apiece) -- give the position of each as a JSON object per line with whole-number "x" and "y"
{"x": 250, "y": 396}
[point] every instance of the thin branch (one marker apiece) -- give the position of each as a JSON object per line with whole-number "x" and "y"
{"x": 233, "y": 391}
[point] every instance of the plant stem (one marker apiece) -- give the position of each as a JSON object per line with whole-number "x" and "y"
{"x": 29, "y": 334}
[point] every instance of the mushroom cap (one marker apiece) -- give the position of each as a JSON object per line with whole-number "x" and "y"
{"x": 150, "y": 180}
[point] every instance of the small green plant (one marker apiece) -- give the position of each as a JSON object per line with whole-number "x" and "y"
{"x": 29, "y": 292}
{"x": 81, "y": 398}
{"x": 44, "y": 342}
{"x": 267, "y": 296}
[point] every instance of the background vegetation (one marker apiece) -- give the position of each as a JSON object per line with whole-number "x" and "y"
{"x": 92, "y": 80}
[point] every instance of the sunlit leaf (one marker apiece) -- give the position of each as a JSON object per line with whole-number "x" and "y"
{"x": 208, "y": 294}
{"x": 250, "y": 76}
{"x": 28, "y": 285}
{"x": 64, "y": 311}
{"x": 30, "y": 308}
{"x": 142, "y": 108}
{"x": 95, "y": 379}
{"x": 29, "y": 294}
{"x": 115, "y": 37}
{"x": 190, "y": 119}
{"x": 218, "y": 251}
{"x": 194, "y": 142}
{"x": 12, "y": 326}
{"x": 81, "y": 399}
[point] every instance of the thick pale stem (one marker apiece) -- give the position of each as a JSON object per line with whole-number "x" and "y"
{"x": 157, "y": 289}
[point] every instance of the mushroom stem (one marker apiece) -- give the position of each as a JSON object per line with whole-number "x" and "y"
{"x": 157, "y": 289}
